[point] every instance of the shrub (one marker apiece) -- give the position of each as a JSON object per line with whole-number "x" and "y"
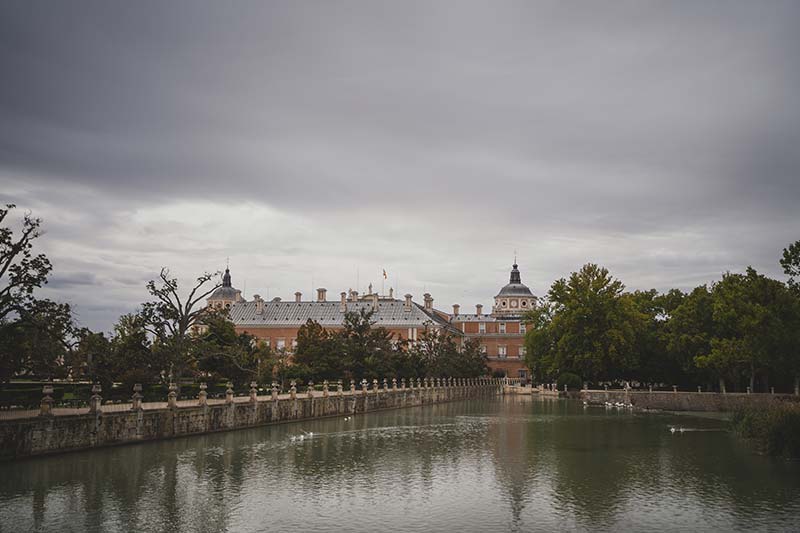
{"x": 572, "y": 381}
{"x": 774, "y": 430}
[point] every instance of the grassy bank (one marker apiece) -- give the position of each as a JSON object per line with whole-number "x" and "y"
{"x": 774, "y": 430}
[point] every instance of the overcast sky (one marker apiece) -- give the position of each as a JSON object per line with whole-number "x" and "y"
{"x": 317, "y": 143}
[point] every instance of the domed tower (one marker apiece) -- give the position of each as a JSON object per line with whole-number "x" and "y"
{"x": 513, "y": 299}
{"x": 225, "y": 296}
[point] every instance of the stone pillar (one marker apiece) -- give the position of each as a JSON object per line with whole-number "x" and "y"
{"x": 385, "y": 385}
{"x": 274, "y": 391}
{"x": 699, "y": 388}
{"x": 375, "y": 385}
{"x": 46, "y": 405}
{"x": 172, "y": 397}
{"x": 403, "y": 383}
{"x": 293, "y": 389}
{"x": 675, "y": 389}
{"x": 394, "y": 384}
{"x": 650, "y": 388}
{"x": 310, "y": 389}
{"x": 339, "y": 391}
{"x": 565, "y": 388}
{"x": 352, "y": 387}
{"x": 96, "y": 400}
{"x": 585, "y": 385}
{"x": 253, "y": 392}
{"x": 325, "y": 391}
{"x": 202, "y": 396}
{"x": 364, "y": 387}
{"x": 748, "y": 390}
{"x": 772, "y": 390}
{"x": 136, "y": 399}
{"x": 229, "y": 393}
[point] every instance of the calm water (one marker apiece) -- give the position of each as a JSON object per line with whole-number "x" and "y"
{"x": 516, "y": 464}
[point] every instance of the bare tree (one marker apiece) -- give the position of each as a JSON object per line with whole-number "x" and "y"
{"x": 20, "y": 271}
{"x": 170, "y": 317}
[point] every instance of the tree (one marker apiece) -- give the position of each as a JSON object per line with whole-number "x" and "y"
{"x": 367, "y": 351}
{"x": 221, "y": 352}
{"x": 790, "y": 261}
{"x": 688, "y": 333}
{"x": 20, "y": 271}
{"x": 171, "y": 317}
{"x": 589, "y": 328}
{"x": 319, "y": 352}
{"x": 438, "y": 354}
{"x": 38, "y": 343}
{"x": 755, "y": 321}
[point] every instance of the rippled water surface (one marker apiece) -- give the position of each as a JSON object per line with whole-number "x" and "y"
{"x": 496, "y": 464}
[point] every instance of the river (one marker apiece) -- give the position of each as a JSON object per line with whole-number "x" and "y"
{"x": 498, "y": 464}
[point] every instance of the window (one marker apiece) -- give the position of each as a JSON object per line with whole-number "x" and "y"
{"x": 522, "y": 351}
{"x": 483, "y": 349}
{"x": 502, "y": 351}
{"x": 266, "y": 342}
{"x": 502, "y": 327}
{"x": 503, "y": 303}
{"x": 521, "y": 328}
{"x": 514, "y": 303}
{"x": 524, "y": 303}
{"x": 294, "y": 344}
{"x": 280, "y": 344}
{"x": 481, "y": 327}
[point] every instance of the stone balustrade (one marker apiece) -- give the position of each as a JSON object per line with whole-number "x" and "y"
{"x": 47, "y": 430}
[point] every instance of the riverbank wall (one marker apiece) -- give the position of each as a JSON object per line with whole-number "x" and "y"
{"x": 685, "y": 401}
{"x": 48, "y": 433}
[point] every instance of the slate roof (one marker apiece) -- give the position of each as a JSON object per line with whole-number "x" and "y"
{"x": 390, "y": 313}
{"x": 472, "y": 318}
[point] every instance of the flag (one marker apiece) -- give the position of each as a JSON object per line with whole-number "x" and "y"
{"x": 384, "y": 274}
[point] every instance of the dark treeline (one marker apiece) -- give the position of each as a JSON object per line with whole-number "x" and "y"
{"x": 741, "y": 331}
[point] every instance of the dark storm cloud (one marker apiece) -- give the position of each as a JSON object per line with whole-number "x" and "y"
{"x": 666, "y": 131}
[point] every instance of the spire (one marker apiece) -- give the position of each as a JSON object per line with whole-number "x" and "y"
{"x": 226, "y": 278}
{"x": 515, "y": 278}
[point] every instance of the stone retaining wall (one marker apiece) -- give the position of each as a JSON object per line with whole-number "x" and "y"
{"x": 685, "y": 401}
{"x": 52, "y": 434}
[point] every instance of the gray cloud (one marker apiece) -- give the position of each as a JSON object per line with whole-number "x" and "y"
{"x": 320, "y": 140}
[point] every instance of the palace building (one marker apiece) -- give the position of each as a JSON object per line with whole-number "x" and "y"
{"x": 500, "y": 333}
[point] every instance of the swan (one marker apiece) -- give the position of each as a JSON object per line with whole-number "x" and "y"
{"x": 672, "y": 430}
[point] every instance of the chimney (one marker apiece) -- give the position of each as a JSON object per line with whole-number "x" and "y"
{"x": 456, "y": 309}
{"x": 321, "y": 294}
{"x": 407, "y": 305}
{"x": 478, "y": 309}
{"x": 428, "y": 301}
{"x": 391, "y": 292}
{"x": 259, "y": 304}
{"x": 353, "y": 296}
{"x": 298, "y": 296}
{"x": 374, "y": 302}
{"x": 343, "y": 303}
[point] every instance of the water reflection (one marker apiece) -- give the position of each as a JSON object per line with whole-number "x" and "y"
{"x": 502, "y": 464}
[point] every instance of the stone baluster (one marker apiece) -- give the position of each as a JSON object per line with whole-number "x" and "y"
{"x": 403, "y": 383}
{"x": 353, "y": 387}
{"x": 394, "y": 384}
{"x": 293, "y": 389}
{"x": 96, "y": 400}
{"x": 136, "y": 399}
{"x": 325, "y": 391}
{"x": 339, "y": 390}
{"x": 46, "y": 405}
{"x": 253, "y": 392}
{"x": 385, "y": 385}
{"x": 375, "y": 385}
{"x": 310, "y": 389}
{"x": 229, "y": 393}
{"x": 274, "y": 391}
{"x": 364, "y": 386}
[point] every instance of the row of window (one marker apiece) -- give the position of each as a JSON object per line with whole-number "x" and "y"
{"x": 501, "y": 327}
{"x": 502, "y": 350}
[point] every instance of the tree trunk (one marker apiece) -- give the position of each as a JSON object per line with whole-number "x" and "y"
{"x": 722, "y": 385}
